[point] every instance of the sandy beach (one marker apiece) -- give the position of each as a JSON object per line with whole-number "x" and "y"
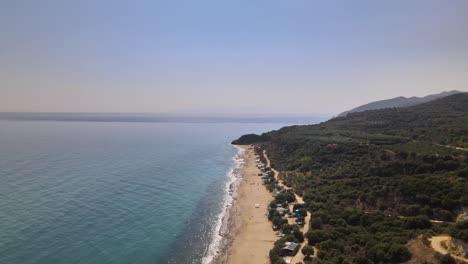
{"x": 251, "y": 235}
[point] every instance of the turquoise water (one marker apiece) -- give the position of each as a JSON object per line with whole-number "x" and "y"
{"x": 108, "y": 192}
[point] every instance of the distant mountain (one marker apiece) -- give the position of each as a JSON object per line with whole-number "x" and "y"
{"x": 164, "y": 117}
{"x": 399, "y": 102}
{"x": 443, "y": 121}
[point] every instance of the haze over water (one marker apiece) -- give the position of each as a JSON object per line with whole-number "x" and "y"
{"x": 113, "y": 192}
{"x": 85, "y": 177}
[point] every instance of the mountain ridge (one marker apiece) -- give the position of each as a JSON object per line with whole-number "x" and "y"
{"x": 399, "y": 101}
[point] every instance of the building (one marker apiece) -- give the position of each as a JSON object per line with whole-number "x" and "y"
{"x": 290, "y": 249}
{"x": 281, "y": 210}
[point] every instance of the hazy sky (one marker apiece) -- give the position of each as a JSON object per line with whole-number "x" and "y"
{"x": 287, "y": 56}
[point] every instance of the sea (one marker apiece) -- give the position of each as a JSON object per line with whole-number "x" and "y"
{"x": 119, "y": 188}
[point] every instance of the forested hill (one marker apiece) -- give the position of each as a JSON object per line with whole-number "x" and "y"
{"x": 443, "y": 122}
{"x": 373, "y": 180}
{"x": 399, "y": 102}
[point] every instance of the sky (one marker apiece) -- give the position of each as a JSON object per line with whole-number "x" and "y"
{"x": 243, "y": 56}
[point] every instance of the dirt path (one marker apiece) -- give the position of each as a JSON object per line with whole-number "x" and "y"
{"x": 436, "y": 244}
{"x": 452, "y": 147}
{"x": 299, "y": 257}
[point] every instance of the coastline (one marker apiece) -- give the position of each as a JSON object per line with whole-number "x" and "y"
{"x": 222, "y": 234}
{"x": 247, "y": 233}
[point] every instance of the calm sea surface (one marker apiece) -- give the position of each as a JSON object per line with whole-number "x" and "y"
{"x": 113, "y": 192}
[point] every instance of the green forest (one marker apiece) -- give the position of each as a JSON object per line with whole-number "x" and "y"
{"x": 374, "y": 180}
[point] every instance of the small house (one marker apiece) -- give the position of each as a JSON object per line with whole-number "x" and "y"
{"x": 290, "y": 249}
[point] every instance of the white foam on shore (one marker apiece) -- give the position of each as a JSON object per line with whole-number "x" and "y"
{"x": 221, "y": 225}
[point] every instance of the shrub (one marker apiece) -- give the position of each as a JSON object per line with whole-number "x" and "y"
{"x": 307, "y": 250}
{"x": 316, "y": 223}
{"x": 446, "y": 259}
{"x": 316, "y": 236}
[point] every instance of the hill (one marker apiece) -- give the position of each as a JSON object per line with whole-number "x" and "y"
{"x": 398, "y": 102}
{"x": 375, "y": 180}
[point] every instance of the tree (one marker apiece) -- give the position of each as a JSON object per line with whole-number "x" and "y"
{"x": 277, "y": 221}
{"x": 307, "y": 251}
{"x": 361, "y": 260}
{"x": 447, "y": 259}
{"x": 298, "y": 235}
{"x": 316, "y": 236}
{"x": 398, "y": 253}
{"x": 280, "y": 261}
{"x": 303, "y": 212}
{"x": 353, "y": 219}
{"x": 274, "y": 256}
{"x": 316, "y": 223}
{"x": 288, "y": 229}
{"x": 417, "y": 222}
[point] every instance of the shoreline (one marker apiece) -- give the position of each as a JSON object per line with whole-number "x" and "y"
{"x": 222, "y": 235}
{"x": 247, "y": 233}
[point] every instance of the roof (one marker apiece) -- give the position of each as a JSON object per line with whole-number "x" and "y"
{"x": 291, "y": 246}
{"x": 280, "y": 210}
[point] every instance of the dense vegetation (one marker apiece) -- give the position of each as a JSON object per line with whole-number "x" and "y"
{"x": 374, "y": 180}
{"x": 251, "y": 138}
